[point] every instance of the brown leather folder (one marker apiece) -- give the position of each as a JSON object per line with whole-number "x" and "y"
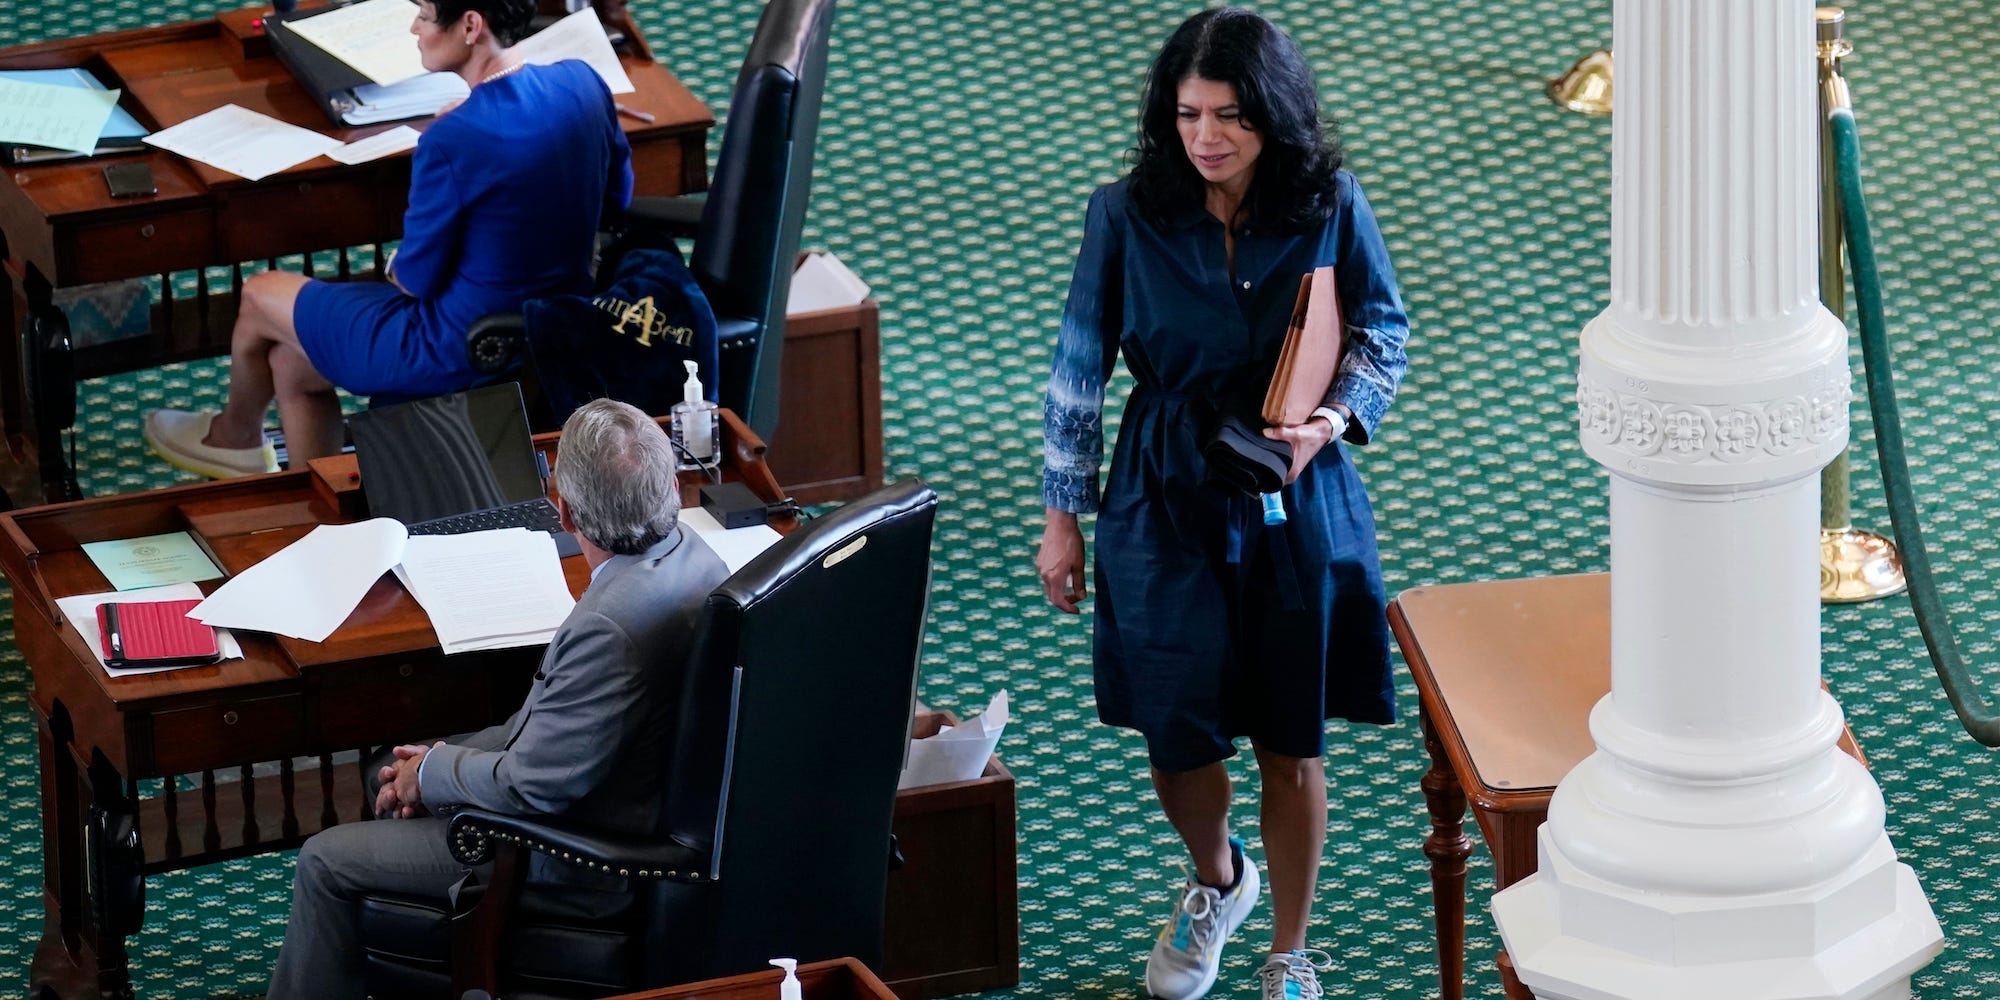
{"x": 1311, "y": 354}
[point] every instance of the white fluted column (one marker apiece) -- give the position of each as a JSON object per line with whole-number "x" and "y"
{"x": 1718, "y": 844}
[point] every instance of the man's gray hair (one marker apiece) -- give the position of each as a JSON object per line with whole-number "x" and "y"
{"x": 615, "y": 471}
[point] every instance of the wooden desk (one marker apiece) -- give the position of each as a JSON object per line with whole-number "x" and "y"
{"x": 60, "y": 227}
{"x": 378, "y": 680}
{"x": 837, "y": 979}
{"x": 1507, "y": 672}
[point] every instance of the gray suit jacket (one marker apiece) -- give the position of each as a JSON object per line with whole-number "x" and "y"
{"x": 590, "y": 742}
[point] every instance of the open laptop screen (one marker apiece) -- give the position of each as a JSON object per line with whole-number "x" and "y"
{"x": 452, "y": 454}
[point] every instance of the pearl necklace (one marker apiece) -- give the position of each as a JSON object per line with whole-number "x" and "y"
{"x": 495, "y": 76}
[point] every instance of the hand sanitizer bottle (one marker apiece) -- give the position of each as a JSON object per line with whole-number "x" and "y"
{"x": 696, "y": 424}
{"x": 789, "y": 988}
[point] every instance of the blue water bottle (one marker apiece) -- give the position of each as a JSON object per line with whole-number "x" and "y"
{"x": 1274, "y": 508}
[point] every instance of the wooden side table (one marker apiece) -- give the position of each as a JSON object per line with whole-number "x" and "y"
{"x": 1507, "y": 672}
{"x": 837, "y": 979}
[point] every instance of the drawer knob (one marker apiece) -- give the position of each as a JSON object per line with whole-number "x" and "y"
{"x": 406, "y": 670}
{"x": 229, "y": 717}
{"x": 146, "y": 231}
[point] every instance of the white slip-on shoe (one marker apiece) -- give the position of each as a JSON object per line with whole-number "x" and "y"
{"x": 175, "y": 435}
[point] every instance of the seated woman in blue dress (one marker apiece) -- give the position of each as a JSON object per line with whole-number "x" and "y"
{"x": 506, "y": 193}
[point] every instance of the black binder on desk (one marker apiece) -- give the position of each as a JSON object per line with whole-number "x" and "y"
{"x": 330, "y": 81}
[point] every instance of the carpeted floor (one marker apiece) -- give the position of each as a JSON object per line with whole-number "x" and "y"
{"x": 960, "y": 143}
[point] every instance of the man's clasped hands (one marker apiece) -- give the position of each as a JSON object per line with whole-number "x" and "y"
{"x": 399, "y": 797}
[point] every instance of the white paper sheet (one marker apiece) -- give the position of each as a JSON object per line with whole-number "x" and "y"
{"x": 306, "y": 589}
{"x": 243, "y": 142}
{"x": 956, "y": 753}
{"x": 824, "y": 282}
{"x": 372, "y": 36}
{"x": 736, "y": 546}
{"x": 578, "y": 36}
{"x": 488, "y": 589}
{"x": 40, "y": 114}
{"x": 81, "y": 613}
{"x": 375, "y": 147}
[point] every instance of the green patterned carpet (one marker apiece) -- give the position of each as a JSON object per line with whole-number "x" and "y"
{"x": 960, "y": 143}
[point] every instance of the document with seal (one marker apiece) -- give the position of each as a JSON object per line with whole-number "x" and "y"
{"x": 152, "y": 561}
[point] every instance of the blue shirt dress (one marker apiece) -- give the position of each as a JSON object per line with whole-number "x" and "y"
{"x": 506, "y": 194}
{"x": 1211, "y": 625}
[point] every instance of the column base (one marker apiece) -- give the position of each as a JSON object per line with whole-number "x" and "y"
{"x": 1575, "y": 937}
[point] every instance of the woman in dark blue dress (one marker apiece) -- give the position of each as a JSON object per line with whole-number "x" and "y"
{"x": 1210, "y": 625}
{"x": 506, "y": 194}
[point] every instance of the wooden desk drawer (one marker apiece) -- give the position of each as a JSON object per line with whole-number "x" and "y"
{"x": 133, "y": 248}
{"x": 284, "y": 217}
{"x": 236, "y": 732}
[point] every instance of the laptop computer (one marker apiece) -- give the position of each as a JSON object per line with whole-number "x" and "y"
{"x": 464, "y": 461}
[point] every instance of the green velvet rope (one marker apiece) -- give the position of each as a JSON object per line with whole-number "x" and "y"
{"x": 1974, "y": 711}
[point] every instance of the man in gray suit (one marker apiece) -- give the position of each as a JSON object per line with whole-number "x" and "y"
{"x": 589, "y": 742}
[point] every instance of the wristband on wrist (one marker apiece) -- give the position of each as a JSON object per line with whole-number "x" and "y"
{"x": 1333, "y": 417}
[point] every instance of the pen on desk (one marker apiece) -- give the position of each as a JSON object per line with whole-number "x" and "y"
{"x": 636, "y": 113}
{"x": 116, "y": 644}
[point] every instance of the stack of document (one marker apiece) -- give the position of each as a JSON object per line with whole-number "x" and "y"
{"x": 488, "y": 589}
{"x": 416, "y": 97}
{"x": 87, "y": 123}
{"x": 482, "y": 590}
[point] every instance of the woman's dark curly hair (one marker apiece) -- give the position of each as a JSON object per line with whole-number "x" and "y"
{"x": 506, "y": 19}
{"x": 1293, "y": 186}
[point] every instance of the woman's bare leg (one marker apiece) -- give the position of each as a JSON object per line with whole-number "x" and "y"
{"x": 307, "y": 406}
{"x": 263, "y": 323}
{"x": 1197, "y": 804}
{"x": 1294, "y": 818}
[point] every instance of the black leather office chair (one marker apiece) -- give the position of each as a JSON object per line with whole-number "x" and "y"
{"x": 746, "y": 228}
{"x": 775, "y": 838}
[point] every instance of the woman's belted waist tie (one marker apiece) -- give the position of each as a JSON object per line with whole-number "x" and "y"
{"x": 1243, "y": 516}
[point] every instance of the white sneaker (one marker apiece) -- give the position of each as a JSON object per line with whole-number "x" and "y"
{"x": 1293, "y": 976}
{"x": 1188, "y": 953}
{"x": 175, "y": 435}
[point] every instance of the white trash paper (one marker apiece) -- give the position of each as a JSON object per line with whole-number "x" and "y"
{"x": 956, "y": 753}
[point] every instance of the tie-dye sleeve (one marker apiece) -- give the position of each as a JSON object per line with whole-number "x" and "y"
{"x": 1086, "y": 349}
{"x": 1373, "y": 362}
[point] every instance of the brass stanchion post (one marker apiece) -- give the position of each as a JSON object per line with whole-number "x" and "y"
{"x": 1854, "y": 565}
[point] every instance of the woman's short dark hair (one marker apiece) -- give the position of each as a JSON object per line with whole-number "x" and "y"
{"x": 507, "y": 19}
{"x": 1292, "y": 188}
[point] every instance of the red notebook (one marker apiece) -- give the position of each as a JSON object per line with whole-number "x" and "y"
{"x": 155, "y": 634}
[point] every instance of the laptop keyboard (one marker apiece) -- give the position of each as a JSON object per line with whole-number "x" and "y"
{"x": 538, "y": 514}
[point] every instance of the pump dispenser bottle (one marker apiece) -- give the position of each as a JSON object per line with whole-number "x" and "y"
{"x": 696, "y": 424}
{"x": 788, "y": 989}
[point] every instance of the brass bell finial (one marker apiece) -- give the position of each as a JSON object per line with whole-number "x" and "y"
{"x": 1586, "y": 88}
